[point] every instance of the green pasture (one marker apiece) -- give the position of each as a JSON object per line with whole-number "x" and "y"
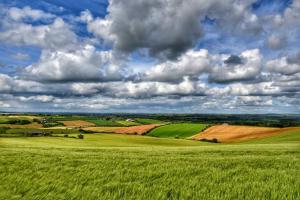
{"x": 182, "y": 130}
{"x": 148, "y": 121}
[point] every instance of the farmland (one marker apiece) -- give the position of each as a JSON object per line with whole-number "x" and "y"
{"x": 77, "y": 123}
{"x": 101, "y": 129}
{"x": 102, "y": 122}
{"x": 128, "y": 123}
{"x": 163, "y": 164}
{"x": 228, "y": 133}
{"x": 136, "y": 130}
{"x": 112, "y": 166}
{"x": 30, "y": 126}
{"x": 182, "y": 130}
{"x": 149, "y": 121}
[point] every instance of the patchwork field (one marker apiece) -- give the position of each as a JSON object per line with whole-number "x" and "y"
{"x": 229, "y": 133}
{"x": 182, "y": 130}
{"x": 21, "y": 117}
{"x": 102, "y": 122}
{"x": 136, "y": 130}
{"x": 77, "y": 123}
{"x": 54, "y": 163}
{"x": 25, "y": 126}
{"x": 128, "y": 123}
{"x": 101, "y": 129}
{"x": 18, "y": 131}
{"x": 148, "y": 121}
{"x": 115, "y": 166}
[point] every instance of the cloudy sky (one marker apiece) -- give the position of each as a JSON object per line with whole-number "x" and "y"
{"x": 172, "y": 56}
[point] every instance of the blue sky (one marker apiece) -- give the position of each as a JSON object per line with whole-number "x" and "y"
{"x": 150, "y": 56}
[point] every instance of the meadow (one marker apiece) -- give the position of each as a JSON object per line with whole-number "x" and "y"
{"x": 181, "y": 130}
{"x": 112, "y": 166}
{"x": 148, "y": 121}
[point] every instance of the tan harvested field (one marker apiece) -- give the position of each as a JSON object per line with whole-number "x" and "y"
{"x": 229, "y": 133}
{"x": 136, "y": 130}
{"x": 28, "y": 117}
{"x": 32, "y": 125}
{"x": 132, "y": 130}
{"x": 77, "y": 123}
{"x": 58, "y": 127}
{"x": 102, "y": 129}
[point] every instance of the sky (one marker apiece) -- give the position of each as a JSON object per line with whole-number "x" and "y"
{"x": 158, "y": 56}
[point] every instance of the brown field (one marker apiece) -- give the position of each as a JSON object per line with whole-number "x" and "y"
{"x": 77, "y": 123}
{"x": 229, "y": 133}
{"x": 102, "y": 129}
{"x": 32, "y": 125}
{"x": 136, "y": 130}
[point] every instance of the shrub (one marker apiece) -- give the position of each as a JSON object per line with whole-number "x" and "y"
{"x": 66, "y": 135}
{"x": 36, "y": 120}
{"x": 46, "y": 134}
{"x": 80, "y": 136}
{"x": 215, "y": 140}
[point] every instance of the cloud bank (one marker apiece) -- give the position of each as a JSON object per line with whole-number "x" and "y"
{"x": 151, "y": 56}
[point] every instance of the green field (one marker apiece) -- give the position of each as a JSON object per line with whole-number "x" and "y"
{"x": 111, "y": 166}
{"x": 182, "y": 130}
{"x": 97, "y": 121}
{"x": 103, "y": 122}
{"x": 24, "y": 131}
{"x": 148, "y": 121}
{"x": 128, "y": 123}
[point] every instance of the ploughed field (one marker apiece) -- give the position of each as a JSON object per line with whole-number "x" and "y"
{"x": 77, "y": 123}
{"x": 132, "y": 130}
{"x": 117, "y": 166}
{"x": 229, "y": 133}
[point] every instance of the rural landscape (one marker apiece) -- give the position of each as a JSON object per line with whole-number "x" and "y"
{"x": 144, "y": 157}
{"x": 150, "y": 100}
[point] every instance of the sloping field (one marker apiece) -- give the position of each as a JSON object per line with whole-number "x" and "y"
{"x": 116, "y": 166}
{"x": 101, "y": 129}
{"x": 57, "y": 127}
{"x": 291, "y": 135}
{"x": 148, "y": 121}
{"x": 182, "y": 130}
{"x": 228, "y": 133}
{"x": 32, "y": 125}
{"x": 25, "y": 131}
{"x": 77, "y": 123}
{"x": 136, "y": 130}
{"x": 103, "y": 122}
{"x": 128, "y": 123}
{"x": 19, "y": 117}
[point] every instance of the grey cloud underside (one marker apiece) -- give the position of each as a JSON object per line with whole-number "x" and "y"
{"x": 234, "y": 60}
{"x": 168, "y": 28}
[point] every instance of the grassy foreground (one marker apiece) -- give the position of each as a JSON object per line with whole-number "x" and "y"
{"x": 109, "y": 166}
